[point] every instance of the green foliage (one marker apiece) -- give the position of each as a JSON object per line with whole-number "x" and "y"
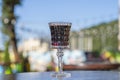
{"x": 8, "y": 15}
{"x": 104, "y": 35}
{"x": 8, "y": 22}
{"x": 8, "y": 28}
{"x": 8, "y": 2}
{"x": 19, "y": 67}
{"x": 7, "y": 68}
{"x": 6, "y": 52}
{"x": 117, "y": 56}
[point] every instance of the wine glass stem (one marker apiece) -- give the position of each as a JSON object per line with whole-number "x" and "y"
{"x": 60, "y": 63}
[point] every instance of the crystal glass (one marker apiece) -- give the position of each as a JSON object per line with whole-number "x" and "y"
{"x": 60, "y": 41}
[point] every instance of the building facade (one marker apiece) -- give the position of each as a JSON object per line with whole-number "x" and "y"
{"x": 81, "y": 42}
{"x": 97, "y": 38}
{"x": 34, "y": 45}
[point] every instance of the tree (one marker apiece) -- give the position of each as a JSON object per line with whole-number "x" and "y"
{"x": 7, "y": 68}
{"x": 8, "y": 21}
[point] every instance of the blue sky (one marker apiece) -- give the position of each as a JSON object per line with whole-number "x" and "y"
{"x": 36, "y": 14}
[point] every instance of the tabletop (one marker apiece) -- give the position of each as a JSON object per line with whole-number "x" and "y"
{"x": 75, "y": 75}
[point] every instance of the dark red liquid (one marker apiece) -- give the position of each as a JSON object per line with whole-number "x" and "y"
{"x": 60, "y": 35}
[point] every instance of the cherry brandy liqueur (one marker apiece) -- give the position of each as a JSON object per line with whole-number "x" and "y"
{"x": 60, "y": 34}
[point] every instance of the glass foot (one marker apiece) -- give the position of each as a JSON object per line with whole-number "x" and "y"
{"x": 61, "y": 74}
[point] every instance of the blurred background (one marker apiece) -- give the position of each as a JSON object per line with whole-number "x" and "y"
{"x": 25, "y": 36}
